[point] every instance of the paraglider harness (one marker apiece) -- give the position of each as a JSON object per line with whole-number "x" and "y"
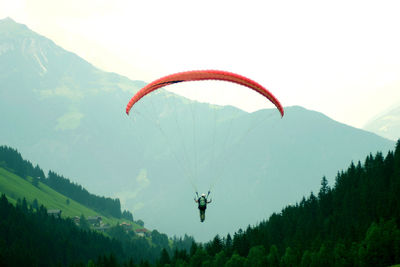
{"x": 202, "y": 201}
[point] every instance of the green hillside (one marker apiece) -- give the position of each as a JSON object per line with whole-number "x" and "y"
{"x": 14, "y": 187}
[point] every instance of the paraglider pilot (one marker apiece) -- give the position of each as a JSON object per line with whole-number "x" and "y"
{"x": 202, "y": 204}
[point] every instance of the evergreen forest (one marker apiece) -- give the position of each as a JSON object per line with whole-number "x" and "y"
{"x": 31, "y": 237}
{"x": 355, "y": 222}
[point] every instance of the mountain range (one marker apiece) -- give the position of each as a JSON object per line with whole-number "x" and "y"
{"x": 68, "y": 116}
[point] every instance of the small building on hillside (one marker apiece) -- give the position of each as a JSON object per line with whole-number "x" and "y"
{"x": 94, "y": 220}
{"x": 126, "y": 226}
{"x": 54, "y": 213}
{"x": 142, "y": 232}
{"x": 77, "y": 220}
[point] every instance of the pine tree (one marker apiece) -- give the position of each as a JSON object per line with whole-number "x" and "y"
{"x": 257, "y": 256}
{"x": 164, "y": 259}
{"x": 273, "y": 256}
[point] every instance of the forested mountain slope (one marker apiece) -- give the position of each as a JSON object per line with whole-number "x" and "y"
{"x": 356, "y": 222}
{"x": 30, "y": 236}
{"x": 29, "y": 179}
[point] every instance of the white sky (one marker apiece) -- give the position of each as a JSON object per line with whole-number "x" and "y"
{"x": 341, "y": 58}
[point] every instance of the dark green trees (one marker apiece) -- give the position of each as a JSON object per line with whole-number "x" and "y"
{"x": 354, "y": 223}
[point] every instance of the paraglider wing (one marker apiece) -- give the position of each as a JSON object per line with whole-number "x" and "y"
{"x": 198, "y": 75}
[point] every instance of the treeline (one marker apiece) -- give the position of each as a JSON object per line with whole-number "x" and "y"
{"x": 107, "y": 206}
{"x": 31, "y": 237}
{"x": 354, "y": 223}
{"x": 13, "y": 161}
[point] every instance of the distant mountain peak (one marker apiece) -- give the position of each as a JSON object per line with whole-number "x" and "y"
{"x": 32, "y": 48}
{"x": 8, "y": 26}
{"x": 31, "y": 64}
{"x": 7, "y": 20}
{"x": 386, "y": 124}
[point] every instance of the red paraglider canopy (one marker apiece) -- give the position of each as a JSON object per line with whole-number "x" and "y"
{"x": 198, "y": 75}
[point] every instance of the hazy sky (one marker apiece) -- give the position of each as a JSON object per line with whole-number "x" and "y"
{"x": 341, "y": 58}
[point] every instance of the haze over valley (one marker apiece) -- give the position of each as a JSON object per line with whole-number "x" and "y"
{"x": 66, "y": 115}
